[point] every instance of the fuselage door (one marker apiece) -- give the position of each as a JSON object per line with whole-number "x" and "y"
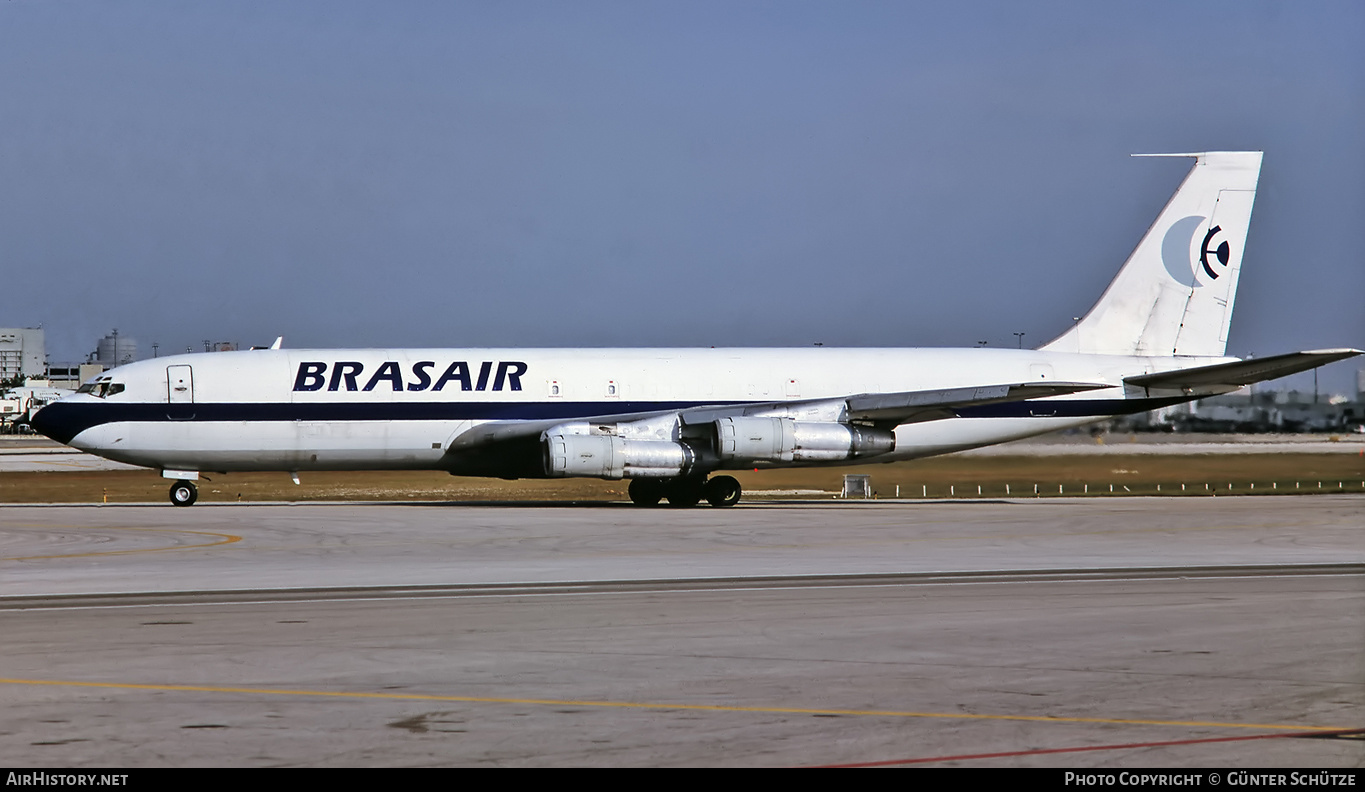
{"x": 180, "y": 385}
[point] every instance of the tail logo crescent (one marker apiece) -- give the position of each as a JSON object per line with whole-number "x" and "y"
{"x": 1177, "y": 250}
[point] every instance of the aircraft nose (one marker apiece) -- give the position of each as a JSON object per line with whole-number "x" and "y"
{"x": 47, "y": 421}
{"x": 39, "y": 424}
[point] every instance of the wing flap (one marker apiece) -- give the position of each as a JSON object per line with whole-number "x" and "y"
{"x": 893, "y": 408}
{"x": 917, "y": 406}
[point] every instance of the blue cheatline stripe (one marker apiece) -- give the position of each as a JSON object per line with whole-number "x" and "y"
{"x": 62, "y": 421}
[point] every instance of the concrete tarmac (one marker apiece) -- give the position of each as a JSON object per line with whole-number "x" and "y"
{"x": 1123, "y": 632}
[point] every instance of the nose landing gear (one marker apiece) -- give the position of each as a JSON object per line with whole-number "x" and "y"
{"x": 184, "y": 493}
{"x": 721, "y": 491}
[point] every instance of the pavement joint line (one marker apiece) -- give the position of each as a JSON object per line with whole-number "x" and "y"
{"x": 661, "y": 705}
{"x": 663, "y": 585}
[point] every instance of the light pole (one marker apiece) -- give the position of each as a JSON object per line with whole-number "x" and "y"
{"x": 1020, "y": 336}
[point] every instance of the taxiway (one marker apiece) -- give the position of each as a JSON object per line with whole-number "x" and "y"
{"x": 1145, "y": 632}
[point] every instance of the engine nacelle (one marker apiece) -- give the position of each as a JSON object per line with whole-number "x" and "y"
{"x": 784, "y": 440}
{"x": 611, "y": 457}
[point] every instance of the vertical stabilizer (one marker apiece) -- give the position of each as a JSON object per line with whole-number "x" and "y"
{"x": 1174, "y": 294}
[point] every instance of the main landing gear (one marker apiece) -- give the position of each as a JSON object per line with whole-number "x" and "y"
{"x": 721, "y": 491}
{"x": 184, "y": 493}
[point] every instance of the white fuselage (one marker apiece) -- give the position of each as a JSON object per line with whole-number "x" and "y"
{"x": 359, "y": 409}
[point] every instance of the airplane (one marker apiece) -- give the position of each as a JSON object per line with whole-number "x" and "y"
{"x": 667, "y": 419}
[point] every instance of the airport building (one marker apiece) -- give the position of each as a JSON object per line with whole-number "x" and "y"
{"x": 22, "y": 352}
{"x": 71, "y": 377}
{"x": 1257, "y": 411}
{"x": 111, "y": 351}
{"x": 115, "y": 350}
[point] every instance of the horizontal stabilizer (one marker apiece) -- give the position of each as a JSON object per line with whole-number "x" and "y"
{"x": 1242, "y": 372}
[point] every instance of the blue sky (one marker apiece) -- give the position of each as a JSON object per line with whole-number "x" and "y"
{"x": 671, "y": 174}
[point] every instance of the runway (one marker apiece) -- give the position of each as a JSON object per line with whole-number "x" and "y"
{"x": 1128, "y": 632}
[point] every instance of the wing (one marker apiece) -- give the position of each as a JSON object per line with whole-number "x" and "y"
{"x": 514, "y": 449}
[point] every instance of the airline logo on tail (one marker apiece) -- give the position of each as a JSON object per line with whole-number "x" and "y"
{"x": 1222, "y": 252}
{"x": 1177, "y": 251}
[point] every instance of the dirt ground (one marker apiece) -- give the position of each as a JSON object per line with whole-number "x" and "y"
{"x": 950, "y": 476}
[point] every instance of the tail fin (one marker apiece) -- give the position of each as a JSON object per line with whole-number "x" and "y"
{"x": 1174, "y": 294}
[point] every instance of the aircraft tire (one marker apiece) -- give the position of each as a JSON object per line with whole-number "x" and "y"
{"x": 723, "y": 491}
{"x": 184, "y": 493}
{"x": 646, "y": 492}
{"x": 684, "y": 493}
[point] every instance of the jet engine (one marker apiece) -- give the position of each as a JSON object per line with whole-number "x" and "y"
{"x": 785, "y": 440}
{"x": 611, "y": 457}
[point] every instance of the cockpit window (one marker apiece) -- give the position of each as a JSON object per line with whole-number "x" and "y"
{"x": 101, "y": 388}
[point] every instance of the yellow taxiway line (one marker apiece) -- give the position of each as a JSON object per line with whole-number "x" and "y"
{"x": 658, "y": 705}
